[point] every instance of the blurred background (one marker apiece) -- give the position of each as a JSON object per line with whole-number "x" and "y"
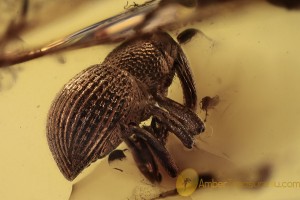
{"x": 250, "y": 61}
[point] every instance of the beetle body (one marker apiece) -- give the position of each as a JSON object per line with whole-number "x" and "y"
{"x": 83, "y": 121}
{"x": 106, "y": 102}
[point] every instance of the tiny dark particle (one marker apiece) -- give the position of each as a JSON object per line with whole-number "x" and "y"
{"x": 61, "y": 59}
{"x": 264, "y": 173}
{"x": 263, "y": 176}
{"x": 186, "y": 35}
{"x": 118, "y": 169}
{"x": 117, "y": 154}
{"x": 166, "y": 194}
{"x": 25, "y": 7}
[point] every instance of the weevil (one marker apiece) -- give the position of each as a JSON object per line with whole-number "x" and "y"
{"x": 105, "y": 104}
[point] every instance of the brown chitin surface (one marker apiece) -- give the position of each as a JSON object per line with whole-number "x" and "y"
{"x": 88, "y": 118}
{"x": 85, "y": 115}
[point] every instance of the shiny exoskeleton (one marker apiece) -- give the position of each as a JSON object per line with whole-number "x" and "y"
{"x": 104, "y": 105}
{"x": 186, "y": 35}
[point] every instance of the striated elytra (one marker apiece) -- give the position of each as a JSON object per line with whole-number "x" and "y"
{"x": 104, "y": 105}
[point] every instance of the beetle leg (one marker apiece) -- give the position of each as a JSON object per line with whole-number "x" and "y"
{"x": 184, "y": 74}
{"x": 158, "y": 129}
{"x": 174, "y": 126}
{"x": 144, "y": 158}
{"x": 158, "y": 149}
{"x": 183, "y": 114}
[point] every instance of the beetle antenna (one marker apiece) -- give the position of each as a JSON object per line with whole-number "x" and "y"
{"x": 185, "y": 76}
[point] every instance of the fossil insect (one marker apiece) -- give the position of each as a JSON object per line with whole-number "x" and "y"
{"x": 208, "y": 102}
{"x": 104, "y": 105}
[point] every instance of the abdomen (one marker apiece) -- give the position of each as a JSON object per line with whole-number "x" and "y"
{"x": 83, "y": 122}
